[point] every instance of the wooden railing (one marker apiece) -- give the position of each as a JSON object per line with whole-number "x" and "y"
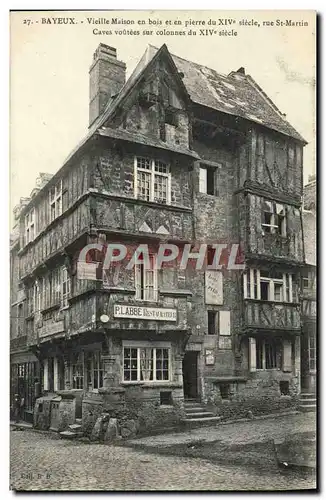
{"x": 274, "y": 315}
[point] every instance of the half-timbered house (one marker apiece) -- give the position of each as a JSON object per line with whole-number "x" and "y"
{"x": 180, "y": 154}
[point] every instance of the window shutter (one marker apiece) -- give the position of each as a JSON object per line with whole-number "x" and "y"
{"x": 202, "y": 180}
{"x": 225, "y": 323}
{"x": 287, "y": 356}
{"x": 252, "y": 354}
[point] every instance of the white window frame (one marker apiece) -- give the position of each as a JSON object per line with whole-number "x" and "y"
{"x": 142, "y": 278}
{"x": 55, "y": 294}
{"x": 139, "y": 345}
{"x": 251, "y": 286}
{"x": 275, "y": 212}
{"x": 30, "y": 226}
{"x": 65, "y": 287}
{"x": 312, "y": 349}
{"x": 152, "y": 173}
{"x": 203, "y": 169}
{"x": 263, "y": 343}
{"x": 55, "y": 201}
{"x": 96, "y": 372}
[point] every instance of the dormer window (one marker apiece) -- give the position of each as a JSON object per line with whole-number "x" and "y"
{"x": 30, "y": 226}
{"x": 152, "y": 180}
{"x": 55, "y": 201}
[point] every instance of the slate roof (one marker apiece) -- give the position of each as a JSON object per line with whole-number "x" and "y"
{"x": 235, "y": 94}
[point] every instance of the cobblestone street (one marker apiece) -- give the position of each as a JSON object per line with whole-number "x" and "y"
{"x": 41, "y": 461}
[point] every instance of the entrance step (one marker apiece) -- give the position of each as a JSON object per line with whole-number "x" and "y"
{"x": 308, "y": 402}
{"x": 194, "y": 409}
{"x": 201, "y": 421}
{"x": 199, "y": 415}
{"x": 68, "y": 435}
{"x": 77, "y": 428}
{"x": 306, "y": 408}
{"x": 307, "y": 395}
{"x": 78, "y": 421}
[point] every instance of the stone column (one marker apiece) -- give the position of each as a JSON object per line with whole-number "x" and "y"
{"x": 112, "y": 392}
{"x": 110, "y": 377}
{"x": 66, "y": 374}
{"x": 178, "y": 368}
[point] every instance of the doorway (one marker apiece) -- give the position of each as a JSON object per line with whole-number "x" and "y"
{"x": 190, "y": 375}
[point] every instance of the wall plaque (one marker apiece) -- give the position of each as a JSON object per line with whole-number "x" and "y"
{"x": 225, "y": 343}
{"x": 214, "y": 287}
{"x": 209, "y": 357}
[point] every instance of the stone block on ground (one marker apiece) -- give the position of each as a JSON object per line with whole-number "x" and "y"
{"x": 112, "y": 432}
{"x": 128, "y": 428}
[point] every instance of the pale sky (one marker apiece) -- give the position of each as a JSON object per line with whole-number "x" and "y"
{"x": 50, "y": 64}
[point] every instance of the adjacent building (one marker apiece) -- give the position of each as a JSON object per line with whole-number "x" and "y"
{"x": 176, "y": 154}
{"x": 309, "y": 289}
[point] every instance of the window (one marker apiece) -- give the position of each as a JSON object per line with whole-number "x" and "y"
{"x": 308, "y": 280}
{"x": 146, "y": 280}
{"x": 267, "y": 350}
{"x": 78, "y": 372}
{"x": 94, "y": 369}
{"x": 31, "y": 299}
{"x": 30, "y": 226}
{"x": 146, "y": 364}
{"x": 171, "y": 117}
{"x": 274, "y": 218}
{"x": 312, "y": 351}
{"x": 65, "y": 287}
{"x": 211, "y": 318}
{"x": 284, "y": 388}
{"x": 305, "y": 280}
{"x": 225, "y": 391}
{"x": 267, "y": 285}
{"x": 55, "y": 287}
{"x": 153, "y": 180}
{"x": 207, "y": 180}
{"x": 166, "y": 398}
{"x": 55, "y": 201}
{"x": 20, "y": 320}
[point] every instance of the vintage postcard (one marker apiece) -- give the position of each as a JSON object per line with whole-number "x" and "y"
{"x": 163, "y": 250}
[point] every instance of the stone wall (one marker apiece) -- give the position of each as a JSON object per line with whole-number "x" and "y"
{"x": 139, "y": 407}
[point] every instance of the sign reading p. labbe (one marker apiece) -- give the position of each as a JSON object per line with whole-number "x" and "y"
{"x": 147, "y": 313}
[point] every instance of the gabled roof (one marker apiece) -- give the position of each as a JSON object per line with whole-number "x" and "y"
{"x": 143, "y": 65}
{"x": 236, "y": 94}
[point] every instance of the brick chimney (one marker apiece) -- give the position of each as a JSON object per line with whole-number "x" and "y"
{"x": 107, "y": 76}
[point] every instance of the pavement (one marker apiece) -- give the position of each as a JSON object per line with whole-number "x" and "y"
{"x": 44, "y": 462}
